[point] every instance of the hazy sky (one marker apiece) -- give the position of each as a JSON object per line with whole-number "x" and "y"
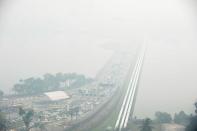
{"x": 39, "y": 36}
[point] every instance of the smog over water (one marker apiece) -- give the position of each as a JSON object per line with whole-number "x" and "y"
{"x": 93, "y": 51}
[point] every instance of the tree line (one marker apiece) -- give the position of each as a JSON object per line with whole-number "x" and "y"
{"x": 179, "y": 118}
{"x": 49, "y": 82}
{"x": 189, "y": 121}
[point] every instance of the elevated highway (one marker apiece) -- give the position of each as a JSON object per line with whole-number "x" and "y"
{"x": 116, "y": 111}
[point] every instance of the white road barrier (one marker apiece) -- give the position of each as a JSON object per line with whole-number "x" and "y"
{"x": 129, "y": 99}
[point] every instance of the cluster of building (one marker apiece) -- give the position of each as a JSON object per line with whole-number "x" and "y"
{"x": 64, "y": 107}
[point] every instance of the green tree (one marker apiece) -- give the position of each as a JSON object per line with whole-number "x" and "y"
{"x": 181, "y": 118}
{"x": 163, "y": 117}
{"x": 49, "y": 82}
{"x": 60, "y": 77}
{"x": 193, "y": 122}
{"x": 3, "y": 122}
{"x": 146, "y": 125}
{"x": 27, "y": 117}
{"x": 18, "y": 89}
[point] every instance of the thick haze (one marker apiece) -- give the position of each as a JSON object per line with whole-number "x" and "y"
{"x": 40, "y": 36}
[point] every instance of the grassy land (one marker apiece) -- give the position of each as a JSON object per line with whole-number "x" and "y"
{"x": 135, "y": 127}
{"x": 110, "y": 121}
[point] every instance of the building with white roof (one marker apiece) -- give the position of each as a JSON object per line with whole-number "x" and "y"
{"x": 57, "y": 95}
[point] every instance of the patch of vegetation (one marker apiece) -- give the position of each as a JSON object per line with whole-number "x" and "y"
{"x": 193, "y": 122}
{"x": 181, "y": 118}
{"x": 50, "y": 82}
{"x": 27, "y": 116}
{"x": 146, "y": 125}
{"x": 163, "y": 117}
